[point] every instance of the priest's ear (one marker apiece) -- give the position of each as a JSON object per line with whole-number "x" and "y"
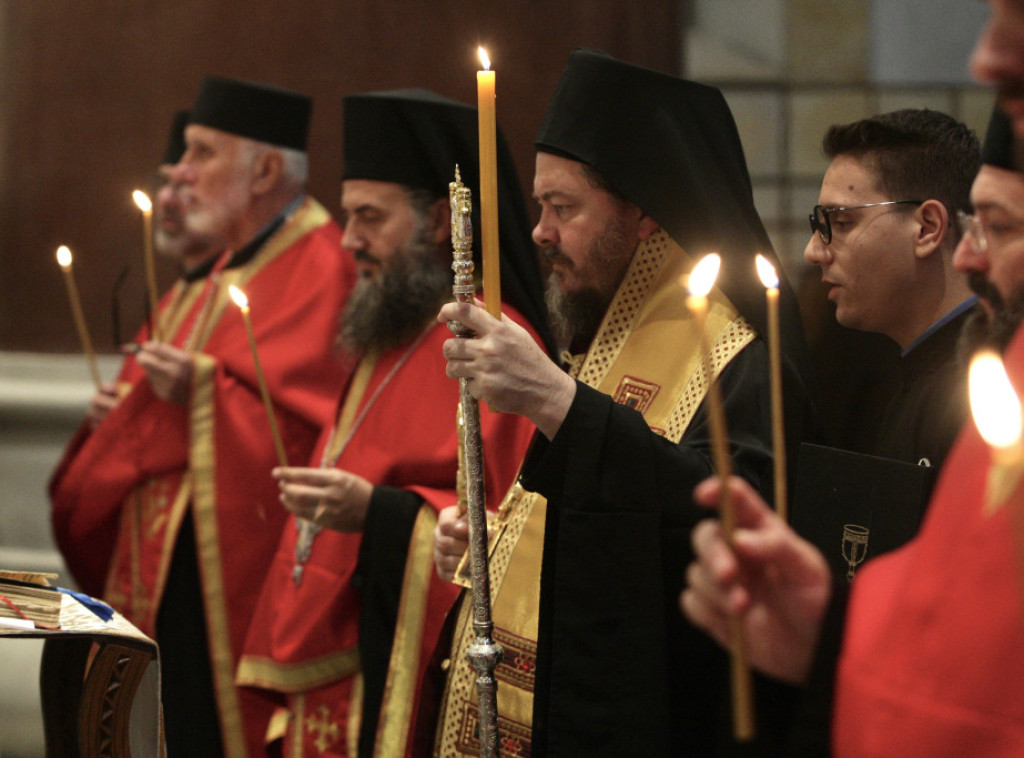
{"x": 267, "y": 171}
{"x": 932, "y": 228}
{"x": 439, "y": 215}
{"x": 647, "y": 227}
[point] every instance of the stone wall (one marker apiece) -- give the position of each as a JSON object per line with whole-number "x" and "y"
{"x": 791, "y": 68}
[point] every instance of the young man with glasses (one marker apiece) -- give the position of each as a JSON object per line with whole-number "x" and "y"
{"x": 883, "y": 235}
{"x": 924, "y": 657}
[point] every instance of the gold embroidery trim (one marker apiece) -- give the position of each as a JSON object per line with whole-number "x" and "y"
{"x": 648, "y": 301}
{"x": 403, "y": 668}
{"x": 202, "y": 464}
{"x": 256, "y": 671}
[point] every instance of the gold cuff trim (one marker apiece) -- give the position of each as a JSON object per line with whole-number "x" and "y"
{"x": 291, "y": 678}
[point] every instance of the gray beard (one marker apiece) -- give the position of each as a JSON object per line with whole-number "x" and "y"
{"x": 576, "y": 316}
{"x": 981, "y": 332}
{"x": 393, "y": 307}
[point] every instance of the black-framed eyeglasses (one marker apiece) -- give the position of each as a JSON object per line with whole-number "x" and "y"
{"x": 821, "y": 224}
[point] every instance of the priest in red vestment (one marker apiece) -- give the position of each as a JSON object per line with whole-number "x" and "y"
{"x": 166, "y": 506}
{"x": 352, "y": 608}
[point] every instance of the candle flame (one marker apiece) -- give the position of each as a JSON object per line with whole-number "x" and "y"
{"x": 238, "y": 296}
{"x": 703, "y": 276}
{"x": 142, "y": 200}
{"x": 994, "y": 403}
{"x": 64, "y": 256}
{"x": 484, "y": 60}
{"x": 766, "y": 271}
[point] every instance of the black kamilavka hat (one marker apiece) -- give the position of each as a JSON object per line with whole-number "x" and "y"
{"x": 999, "y": 146}
{"x": 415, "y": 137}
{"x": 671, "y": 146}
{"x": 176, "y": 139}
{"x": 257, "y": 111}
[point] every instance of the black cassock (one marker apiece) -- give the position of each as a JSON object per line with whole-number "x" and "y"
{"x": 619, "y": 670}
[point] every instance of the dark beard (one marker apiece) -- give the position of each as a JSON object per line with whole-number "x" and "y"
{"x": 576, "y": 316}
{"x": 982, "y": 332}
{"x": 393, "y": 307}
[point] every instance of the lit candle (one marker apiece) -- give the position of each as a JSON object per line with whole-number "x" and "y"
{"x": 64, "y": 260}
{"x": 243, "y": 305}
{"x": 699, "y": 284}
{"x": 488, "y": 185}
{"x": 770, "y": 280}
{"x": 146, "y": 206}
{"x": 997, "y": 414}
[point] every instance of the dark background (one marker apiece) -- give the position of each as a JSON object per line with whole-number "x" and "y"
{"x": 87, "y": 91}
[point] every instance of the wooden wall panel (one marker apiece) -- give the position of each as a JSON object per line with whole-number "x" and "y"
{"x": 87, "y": 91}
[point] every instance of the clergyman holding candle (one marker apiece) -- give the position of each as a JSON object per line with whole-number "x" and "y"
{"x": 167, "y": 508}
{"x": 588, "y": 560}
{"x": 922, "y": 654}
{"x": 358, "y": 545}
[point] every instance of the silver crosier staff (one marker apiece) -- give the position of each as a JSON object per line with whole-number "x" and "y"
{"x": 483, "y": 654}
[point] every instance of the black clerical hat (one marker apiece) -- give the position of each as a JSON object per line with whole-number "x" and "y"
{"x": 412, "y": 137}
{"x": 998, "y": 148}
{"x": 176, "y": 139}
{"x": 415, "y": 137}
{"x": 257, "y": 111}
{"x": 670, "y": 146}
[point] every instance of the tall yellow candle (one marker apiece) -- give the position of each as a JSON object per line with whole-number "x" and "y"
{"x": 243, "y": 305}
{"x": 487, "y": 125}
{"x": 770, "y": 280}
{"x": 146, "y": 206}
{"x": 699, "y": 283}
{"x": 64, "y": 260}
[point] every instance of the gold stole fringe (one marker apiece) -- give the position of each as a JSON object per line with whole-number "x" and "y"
{"x": 396, "y": 711}
{"x": 646, "y": 355}
{"x": 309, "y": 216}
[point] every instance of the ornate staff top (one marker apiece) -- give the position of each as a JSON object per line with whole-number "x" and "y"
{"x": 461, "y": 199}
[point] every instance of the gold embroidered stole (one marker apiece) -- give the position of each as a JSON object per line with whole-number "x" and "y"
{"x": 156, "y": 507}
{"x": 305, "y": 675}
{"x": 646, "y": 355}
{"x": 396, "y": 712}
{"x": 310, "y": 215}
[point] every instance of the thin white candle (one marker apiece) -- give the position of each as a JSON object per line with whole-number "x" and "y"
{"x": 146, "y": 206}
{"x": 770, "y": 279}
{"x": 64, "y": 261}
{"x": 699, "y": 284}
{"x": 242, "y": 302}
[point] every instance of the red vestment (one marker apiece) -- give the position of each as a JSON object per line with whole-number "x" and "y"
{"x": 303, "y": 639}
{"x": 933, "y": 649}
{"x": 121, "y": 492}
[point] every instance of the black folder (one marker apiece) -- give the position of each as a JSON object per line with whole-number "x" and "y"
{"x": 854, "y": 507}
